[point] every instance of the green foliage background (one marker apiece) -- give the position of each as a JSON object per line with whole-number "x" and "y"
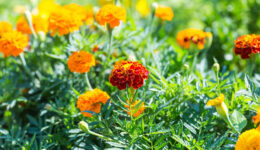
{"x": 175, "y": 116}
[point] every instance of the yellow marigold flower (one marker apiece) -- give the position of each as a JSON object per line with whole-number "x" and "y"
{"x": 39, "y": 24}
{"x": 46, "y": 7}
{"x": 256, "y": 118}
{"x": 111, "y": 14}
{"x": 249, "y": 140}
{"x": 142, "y": 7}
{"x": 164, "y": 13}
{"x": 81, "y": 12}
{"x": 81, "y": 61}
{"x": 220, "y": 105}
{"x": 13, "y": 43}
{"x": 91, "y": 101}
{"x": 134, "y": 107}
{"x": 64, "y": 21}
{"x": 5, "y": 27}
{"x": 199, "y": 38}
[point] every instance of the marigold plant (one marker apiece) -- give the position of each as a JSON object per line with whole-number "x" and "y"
{"x": 40, "y": 24}
{"x": 246, "y": 45}
{"x": 136, "y": 109}
{"x": 46, "y": 7}
{"x": 80, "y": 61}
{"x": 5, "y": 27}
{"x": 64, "y": 21}
{"x": 164, "y": 13}
{"x": 111, "y": 15}
{"x": 13, "y": 43}
{"x": 187, "y": 37}
{"x": 91, "y": 101}
{"x": 128, "y": 73}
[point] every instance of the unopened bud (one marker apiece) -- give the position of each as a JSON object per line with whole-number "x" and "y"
{"x": 83, "y": 126}
{"x": 216, "y": 67}
{"x": 48, "y": 107}
{"x": 186, "y": 67}
{"x": 41, "y": 35}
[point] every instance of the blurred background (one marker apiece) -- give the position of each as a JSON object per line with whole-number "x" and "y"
{"x": 225, "y": 19}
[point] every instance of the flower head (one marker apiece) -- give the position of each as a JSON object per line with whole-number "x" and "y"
{"x": 5, "y": 27}
{"x": 46, "y": 7}
{"x": 249, "y": 140}
{"x": 81, "y": 62}
{"x": 221, "y": 107}
{"x": 164, "y": 13}
{"x": 187, "y": 37}
{"x": 246, "y": 45}
{"x": 143, "y": 7}
{"x": 137, "y": 108}
{"x": 79, "y": 10}
{"x": 111, "y": 14}
{"x": 91, "y": 101}
{"x": 128, "y": 73}
{"x": 64, "y": 21}
{"x": 13, "y": 43}
{"x": 39, "y": 24}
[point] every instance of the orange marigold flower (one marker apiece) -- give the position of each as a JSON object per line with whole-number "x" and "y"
{"x": 13, "y": 43}
{"x": 193, "y": 36}
{"x": 111, "y": 14}
{"x": 91, "y": 101}
{"x": 81, "y": 62}
{"x": 164, "y": 13}
{"x": 5, "y": 27}
{"x": 246, "y": 45}
{"x": 39, "y": 24}
{"x": 249, "y": 140}
{"x": 256, "y": 118}
{"x": 136, "y": 109}
{"x": 128, "y": 73}
{"x": 64, "y": 21}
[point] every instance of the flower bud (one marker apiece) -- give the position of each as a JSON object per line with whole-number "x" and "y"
{"x": 186, "y": 67}
{"x": 83, "y": 126}
{"x": 216, "y": 67}
{"x": 41, "y": 35}
{"x": 48, "y": 107}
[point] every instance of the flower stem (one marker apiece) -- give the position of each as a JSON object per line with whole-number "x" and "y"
{"x": 110, "y": 38}
{"x": 24, "y": 64}
{"x": 88, "y": 83}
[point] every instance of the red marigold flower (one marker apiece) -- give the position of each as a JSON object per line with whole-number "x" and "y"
{"x": 128, "y": 73}
{"x": 246, "y": 45}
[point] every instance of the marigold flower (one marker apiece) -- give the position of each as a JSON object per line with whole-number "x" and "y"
{"x": 91, "y": 101}
{"x": 128, "y": 73}
{"x": 143, "y": 7}
{"x": 246, "y": 45}
{"x": 90, "y": 15}
{"x": 136, "y": 108}
{"x": 193, "y": 36}
{"x": 249, "y": 140}
{"x": 111, "y": 14}
{"x": 80, "y": 61}
{"x": 46, "y": 7}
{"x": 5, "y": 27}
{"x": 256, "y": 118}
{"x": 221, "y": 107}
{"x": 164, "y": 13}
{"x": 39, "y": 24}
{"x": 64, "y": 21}
{"x": 13, "y": 43}
{"x": 81, "y": 12}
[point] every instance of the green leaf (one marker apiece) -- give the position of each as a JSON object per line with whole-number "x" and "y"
{"x": 238, "y": 120}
